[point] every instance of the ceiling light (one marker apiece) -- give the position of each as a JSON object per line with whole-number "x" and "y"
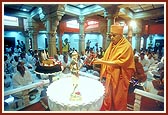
{"x": 81, "y": 6}
{"x": 25, "y": 9}
{"x": 133, "y": 23}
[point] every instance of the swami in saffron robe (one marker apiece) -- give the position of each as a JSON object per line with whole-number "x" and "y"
{"x": 117, "y": 75}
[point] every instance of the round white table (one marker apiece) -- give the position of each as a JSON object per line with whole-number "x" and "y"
{"x": 92, "y": 93}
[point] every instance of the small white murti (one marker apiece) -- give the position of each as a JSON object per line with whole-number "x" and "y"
{"x": 76, "y": 94}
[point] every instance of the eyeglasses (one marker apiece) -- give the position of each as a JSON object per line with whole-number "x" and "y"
{"x": 113, "y": 35}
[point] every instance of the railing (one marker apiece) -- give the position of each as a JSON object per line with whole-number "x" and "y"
{"x": 30, "y": 86}
{"x": 25, "y": 89}
{"x": 138, "y": 98}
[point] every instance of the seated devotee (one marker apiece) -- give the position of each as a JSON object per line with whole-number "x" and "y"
{"x": 56, "y": 60}
{"x": 10, "y": 56}
{"x": 139, "y": 78}
{"x": 43, "y": 55}
{"x": 6, "y": 64}
{"x": 157, "y": 85}
{"x": 136, "y": 53}
{"x": 21, "y": 78}
{"x": 144, "y": 61}
{"x": 89, "y": 60}
{"x": 7, "y": 80}
{"x": 23, "y": 57}
{"x": 66, "y": 63}
{"x": 100, "y": 53}
{"x": 14, "y": 64}
{"x": 155, "y": 71}
{"x": 139, "y": 74}
{"x": 155, "y": 55}
{"x": 17, "y": 50}
{"x": 83, "y": 56}
{"x": 35, "y": 61}
{"x": 151, "y": 61}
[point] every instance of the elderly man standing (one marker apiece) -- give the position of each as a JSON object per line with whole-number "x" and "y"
{"x": 117, "y": 66}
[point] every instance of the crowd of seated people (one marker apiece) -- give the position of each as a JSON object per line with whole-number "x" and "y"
{"x": 32, "y": 59}
{"x": 85, "y": 58}
{"x": 151, "y": 69}
{"x": 19, "y": 71}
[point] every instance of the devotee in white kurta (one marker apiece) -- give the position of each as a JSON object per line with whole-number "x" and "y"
{"x": 21, "y": 78}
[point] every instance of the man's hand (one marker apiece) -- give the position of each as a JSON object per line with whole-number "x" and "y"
{"x": 100, "y": 61}
{"x": 97, "y": 61}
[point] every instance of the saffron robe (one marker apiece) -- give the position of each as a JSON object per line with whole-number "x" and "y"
{"x": 117, "y": 77}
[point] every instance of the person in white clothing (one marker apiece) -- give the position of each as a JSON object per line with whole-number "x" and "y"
{"x": 14, "y": 63}
{"x": 144, "y": 61}
{"x": 150, "y": 60}
{"x": 21, "y": 78}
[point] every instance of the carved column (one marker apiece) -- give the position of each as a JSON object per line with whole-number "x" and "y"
{"x": 60, "y": 42}
{"x": 34, "y": 41}
{"x": 138, "y": 42}
{"x": 110, "y": 14}
{"x": 145, "y": 41}
{"x": 27, "y": 45}
{"x": 81, "y": 34}
{"x": 138, "y": 31}
{"x": 129, "y": 35}
{"x": 110, "y": 21}
{"x": 33, "y": 32}
{"x": 53, "y": 14}
{"x": 106, "y": 41}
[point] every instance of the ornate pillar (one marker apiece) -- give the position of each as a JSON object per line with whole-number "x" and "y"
{"x": 138, "y": 31}
{"x": 138, "y": 42}
{"x": 27, "y": 45}
{"x": 145, "y": 41}
{"x": 34, "y": 41}
{"x": 52, "y": 18}
{"x": 60, "y": 43}
{"x": 106, "y": 40}
{"x": 129, "y": 35}
{"x": 110, "y": 14}
{"x": 33, "y": 32}
{"x": 145, "y": 34}
{"x": 81, "y": 34}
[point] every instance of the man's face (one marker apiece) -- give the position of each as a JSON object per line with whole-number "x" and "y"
{"x": 115, "y": 38}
